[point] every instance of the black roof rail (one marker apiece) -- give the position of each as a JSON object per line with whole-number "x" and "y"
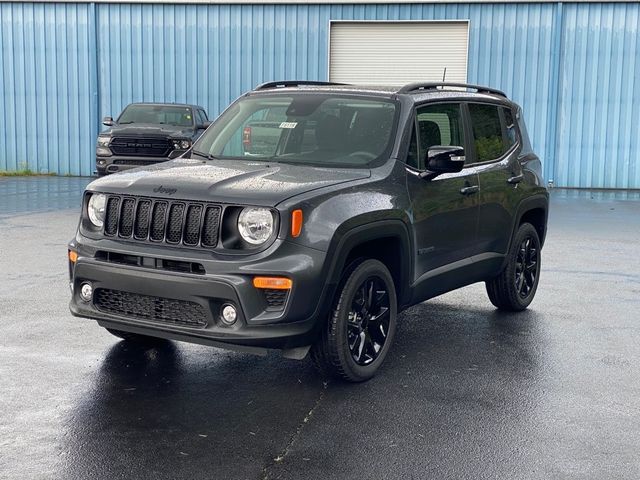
{"x": 293, "y": 83}
{"x": 420, "y": 86}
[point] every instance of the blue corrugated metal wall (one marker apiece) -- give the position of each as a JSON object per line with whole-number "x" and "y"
{"x": 599, "y": 101}
{"x": 45, "y": 88}
{"x": 573, "y": 68}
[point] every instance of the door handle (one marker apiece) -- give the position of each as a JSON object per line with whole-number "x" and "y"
{"x": 516, "y": 179}
{"x": 469, "y": 190}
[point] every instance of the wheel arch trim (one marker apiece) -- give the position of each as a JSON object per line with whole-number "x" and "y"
{"x": 538, "y": 201}
{"x": 344, "y": 243}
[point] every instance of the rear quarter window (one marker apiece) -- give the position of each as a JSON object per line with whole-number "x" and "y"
{"x": 510, "y": 131}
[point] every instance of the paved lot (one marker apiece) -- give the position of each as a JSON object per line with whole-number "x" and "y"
{"x": 466, "y": 393}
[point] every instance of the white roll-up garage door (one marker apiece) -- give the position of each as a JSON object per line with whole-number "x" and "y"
{"x": 395, "y": 53}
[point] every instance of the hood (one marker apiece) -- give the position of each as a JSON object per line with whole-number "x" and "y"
{"x": 225, "y": 181}
{"x": 152, "y": 129}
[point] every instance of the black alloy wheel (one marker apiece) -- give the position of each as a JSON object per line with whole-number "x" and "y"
{"x": 526, "y": 267}
{"x": 368, "y": 321}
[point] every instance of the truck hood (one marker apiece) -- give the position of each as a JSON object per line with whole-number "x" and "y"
{"x": 149, "y": 129}
{"x": 225, "y": 181}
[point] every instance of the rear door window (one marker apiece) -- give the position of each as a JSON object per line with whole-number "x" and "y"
{"x": 494, "y": 131}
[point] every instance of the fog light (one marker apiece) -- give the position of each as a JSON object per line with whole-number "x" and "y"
{"x": 86, "y": 292}
{"x": 229, "y": 315}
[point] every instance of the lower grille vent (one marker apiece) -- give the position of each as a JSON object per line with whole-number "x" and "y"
{"x": 276, "y": 299}
{"x": 158, "y": 309}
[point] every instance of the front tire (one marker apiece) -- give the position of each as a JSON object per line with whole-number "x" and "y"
{"x": 514, "y": 288}
{"x": 360, "y": 330}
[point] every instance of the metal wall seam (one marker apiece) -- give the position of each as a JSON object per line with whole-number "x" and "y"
{"x": 555, "y": 90}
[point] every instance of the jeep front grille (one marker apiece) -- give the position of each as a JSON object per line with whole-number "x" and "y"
{"x": 145, "y": 307}
{"x": 171, "y": 221}
{"x": 148, "y": 147}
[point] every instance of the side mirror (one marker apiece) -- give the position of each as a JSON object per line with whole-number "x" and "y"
{"x": 444, "y": 159}
{"x": 204, "y": 126}
{"x": 107, "y": 121}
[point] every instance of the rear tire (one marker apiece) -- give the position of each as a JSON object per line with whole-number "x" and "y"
{"x": 359, "y": 332}
{"x": 135, "y": 337}
{"x": 514, "y": 288}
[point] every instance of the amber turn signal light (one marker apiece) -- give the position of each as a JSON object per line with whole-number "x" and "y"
{"x": 73, "y": 256}
{"x": 296, "y": 223}
{"x": 274, "y": 283}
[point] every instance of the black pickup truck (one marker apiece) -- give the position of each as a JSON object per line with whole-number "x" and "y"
{"x": 148, "y": 133}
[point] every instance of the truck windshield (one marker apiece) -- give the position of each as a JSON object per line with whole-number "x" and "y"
{"x": 158, "y": 114}
{"x": 325, "y": 129}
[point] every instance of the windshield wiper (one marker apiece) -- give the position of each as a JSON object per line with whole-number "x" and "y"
{"x": 208, "y": 156}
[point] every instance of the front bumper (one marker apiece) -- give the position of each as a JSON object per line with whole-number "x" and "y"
{"x": 228, "y": 281}
{"x": 118, "y": 163}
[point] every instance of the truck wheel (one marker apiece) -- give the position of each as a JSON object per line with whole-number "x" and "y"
{"x": 361, "y": 326}
{"x": 135, "y": 337}
{"x": 514, "y": 288}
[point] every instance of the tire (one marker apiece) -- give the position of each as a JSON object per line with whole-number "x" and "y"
{"x": 135, "y": 337}
{"x": 513, "y": 289}
{"x": 360, "y": 329}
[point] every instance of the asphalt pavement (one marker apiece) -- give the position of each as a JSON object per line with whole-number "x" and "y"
{"x": 466, "y": 393}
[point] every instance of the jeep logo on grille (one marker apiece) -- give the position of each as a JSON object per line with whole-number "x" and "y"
{"x": 168, "y": 191}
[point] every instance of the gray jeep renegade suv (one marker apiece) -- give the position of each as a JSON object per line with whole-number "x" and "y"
{"x": 309, "y": 214}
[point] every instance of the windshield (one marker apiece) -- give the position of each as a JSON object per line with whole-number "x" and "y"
{"x": 158, "y": 114}
{"x": 325, "y": 129}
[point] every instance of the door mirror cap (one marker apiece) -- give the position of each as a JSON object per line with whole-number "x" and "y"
{"x": 204, "y": 125}
{"x": 107, "y": 121}
{"x": 444, "y": 159}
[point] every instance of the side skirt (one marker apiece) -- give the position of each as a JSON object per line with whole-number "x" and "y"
{"x": 459, "y": 274}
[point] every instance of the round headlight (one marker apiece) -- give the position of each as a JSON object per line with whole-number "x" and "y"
{"x": 255, "y": 225}
{"x": 96, "y": 209}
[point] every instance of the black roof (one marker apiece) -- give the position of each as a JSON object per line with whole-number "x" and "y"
{"x": 160, "y": 104}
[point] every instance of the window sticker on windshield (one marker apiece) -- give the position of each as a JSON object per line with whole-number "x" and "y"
{"x": 288, "y": 124}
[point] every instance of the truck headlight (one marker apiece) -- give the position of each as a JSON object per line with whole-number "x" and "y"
{"x": 104, "y": 140}
{"x": 255, "y": 225}
{"x": 182, "y": 144}
{"x": 103, "y": 152}
{"x": 96, "y": 209}
{"x": 102, "y": 146}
